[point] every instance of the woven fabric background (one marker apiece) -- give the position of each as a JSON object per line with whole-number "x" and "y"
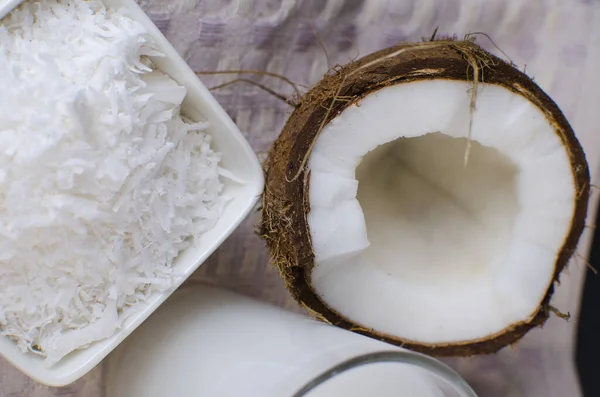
{"x": 557, "y": 41}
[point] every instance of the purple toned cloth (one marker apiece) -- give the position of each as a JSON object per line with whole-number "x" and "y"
{"x": 558, "y": 42}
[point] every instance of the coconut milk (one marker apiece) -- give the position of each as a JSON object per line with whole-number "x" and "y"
{"x": 208, "y": 342}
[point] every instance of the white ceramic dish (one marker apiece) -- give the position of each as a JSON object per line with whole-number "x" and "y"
{"x": 238, "y": 157}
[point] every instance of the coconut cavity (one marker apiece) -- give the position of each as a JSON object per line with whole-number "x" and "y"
{"x": 451, "y": 224}
{"x": 409, "y": 241}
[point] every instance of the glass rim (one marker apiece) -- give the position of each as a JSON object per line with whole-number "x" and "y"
{"x": 422, "y": 361}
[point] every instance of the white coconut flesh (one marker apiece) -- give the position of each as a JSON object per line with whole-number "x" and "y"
{"x": 411, "y": 243}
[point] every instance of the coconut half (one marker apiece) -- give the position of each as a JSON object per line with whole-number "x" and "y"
{"x": 428, "y": 195}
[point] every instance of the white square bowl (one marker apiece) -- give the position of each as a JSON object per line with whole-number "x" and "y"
{"x": 238, "y": 157}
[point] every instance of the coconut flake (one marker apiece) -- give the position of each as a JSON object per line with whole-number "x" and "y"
{"x": 102, "y": 182}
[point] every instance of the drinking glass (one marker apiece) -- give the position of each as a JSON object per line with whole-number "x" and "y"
{"x": 209, "y": 342}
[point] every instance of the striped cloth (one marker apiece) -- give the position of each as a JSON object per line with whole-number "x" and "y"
{"x": 557, "y": 41}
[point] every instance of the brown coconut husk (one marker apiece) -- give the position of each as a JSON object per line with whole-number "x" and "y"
{"x": 285, "y": 200}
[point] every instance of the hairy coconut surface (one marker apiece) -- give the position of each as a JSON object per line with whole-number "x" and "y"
{"x": 428, "y": 195}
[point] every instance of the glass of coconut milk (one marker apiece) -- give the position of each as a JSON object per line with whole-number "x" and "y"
{"x": 209, "y": 342}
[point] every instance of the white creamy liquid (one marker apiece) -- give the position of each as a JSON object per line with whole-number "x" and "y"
{"x": 205, "y": 342}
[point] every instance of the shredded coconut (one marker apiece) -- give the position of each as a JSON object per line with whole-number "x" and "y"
{"x": 102, "y": 182}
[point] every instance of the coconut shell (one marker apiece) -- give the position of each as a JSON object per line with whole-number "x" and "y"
{"x": 285, "y": 200}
